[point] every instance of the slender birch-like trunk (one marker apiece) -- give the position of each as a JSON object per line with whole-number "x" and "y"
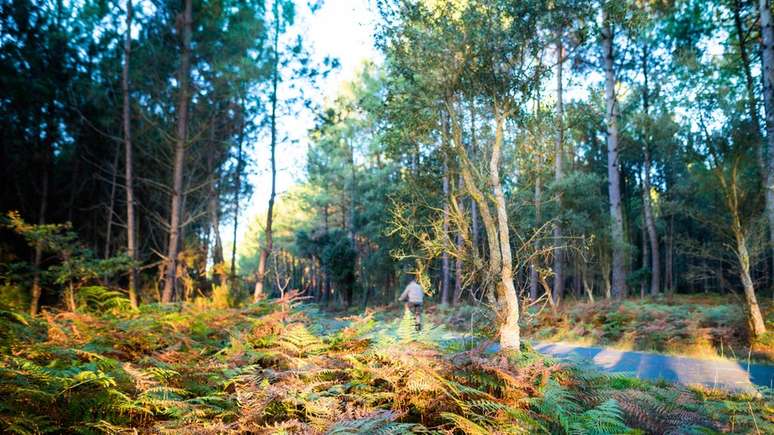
{"x": 496, "y": 228}
{"x": 509, "y": 331}
{"x": 731, "y": 193}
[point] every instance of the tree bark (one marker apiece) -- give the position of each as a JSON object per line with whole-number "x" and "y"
{"x": 266, "y": 251}
{"x": 36, "y": 288}
{"x": 474, "y": 226}
{"x": 213, "y": 210}
{"x": 752, "y": 103}
{"x": 644, "y": 235}
{"x": 478, "y": 196}
{"x": 458, "y": 261}
{"x": 47, "y": 151}
{"x": 767, "y": 51}
{"x": 131, "y": 230}
{"x": 669, "y": 267}
{"x": 237, "y": 193}
{"x": 179, "y": 162}
{"x": 731, "y": 193}
{"x": 112, "y": 204}
{"x": 534, "y": 280}
{"x": 650, "y": 222}
{"x": 509, "y": 331}
{"x": 587, "y": 283}
{"x": 559, "y": 173}
{"x": 613, "y": 162}
{"x": 446, "y": 277}
{"x": 497, "y": 231}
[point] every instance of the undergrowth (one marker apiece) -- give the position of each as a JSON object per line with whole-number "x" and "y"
{"x": 281, "y": 367}
{"x": 705, "y": 327}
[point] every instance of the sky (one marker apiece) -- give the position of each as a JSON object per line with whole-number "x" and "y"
{"x": 341, "y": 29}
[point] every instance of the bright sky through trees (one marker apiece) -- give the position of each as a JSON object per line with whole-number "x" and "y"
{"x": 340, "y": 29}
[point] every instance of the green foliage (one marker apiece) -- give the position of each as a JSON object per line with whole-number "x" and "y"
{"x": 335, "y": 252}
{"x": 77, "y": 266}
{"x": 191, "y": 368}
{"x": 407, "y": 331}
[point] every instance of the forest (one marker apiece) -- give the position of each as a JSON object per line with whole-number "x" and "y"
{"x": 583, "y": 191}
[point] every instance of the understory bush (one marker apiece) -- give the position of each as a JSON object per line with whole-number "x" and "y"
{"x": 281, "y": 367}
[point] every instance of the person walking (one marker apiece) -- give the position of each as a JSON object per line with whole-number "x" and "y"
{"x": 414, "y": 296}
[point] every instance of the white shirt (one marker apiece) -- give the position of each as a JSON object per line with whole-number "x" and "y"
{"x": 413, "y": 292}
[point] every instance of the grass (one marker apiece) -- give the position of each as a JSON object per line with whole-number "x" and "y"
{"x": 284, "y": 367}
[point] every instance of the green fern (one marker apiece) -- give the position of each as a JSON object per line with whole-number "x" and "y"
{"x": 606, "y": 418}
{"x": 407, "y": 331}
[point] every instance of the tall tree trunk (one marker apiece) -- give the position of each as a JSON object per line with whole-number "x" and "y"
{"x": 509, "y": 331}
{"x": 650, "y": 222}
{"x": 36, "y": 288}
{"x": 180, "y": 148}
{"x": 757, "y": 325}
{"x": 458, "y": 260}
{"x": 45, "y": 159}
{"x": 752, "y": 102}
{"x": 237, "y": 193}
{"x": 669, "y": 267}
{"x": 534, "y": 280}
{"x": 213, "y": 207}
{"x": 490, "y": 226}
{"x": 352, "y": 219}
{"x": 767, "y": 38}
{"x": 112, "y": 204}
{"x": 644, "y": 235}
{"x": 131, "y": 230}
{"x": 497, "y": 231}
{"x": 446, "y": 276}
{"x": 559, "y": 173}
{"x": 731, "y": 193}
{"x": 258, "y": 294}
{"x": 474, "y": 225}
{"x": 213, "y": 211}
{"x": 588, "y": 285}
{"x": 613, "y": 164}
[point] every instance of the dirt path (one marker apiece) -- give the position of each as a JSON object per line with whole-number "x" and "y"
{"x": 728, "y": 375}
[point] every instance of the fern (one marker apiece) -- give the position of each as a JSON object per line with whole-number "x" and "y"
{"x": 407, "y": 331}
{"x": 464, "y": 424}
{"x": 558, "y": 405}
{"x": 604, "y": 419}
{"x": 298, "y": 341}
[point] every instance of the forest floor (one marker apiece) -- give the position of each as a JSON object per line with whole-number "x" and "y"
{"x": 287, "y": 367}
{"x": 698, "y": 326}
{"x": 713, "y": 372}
